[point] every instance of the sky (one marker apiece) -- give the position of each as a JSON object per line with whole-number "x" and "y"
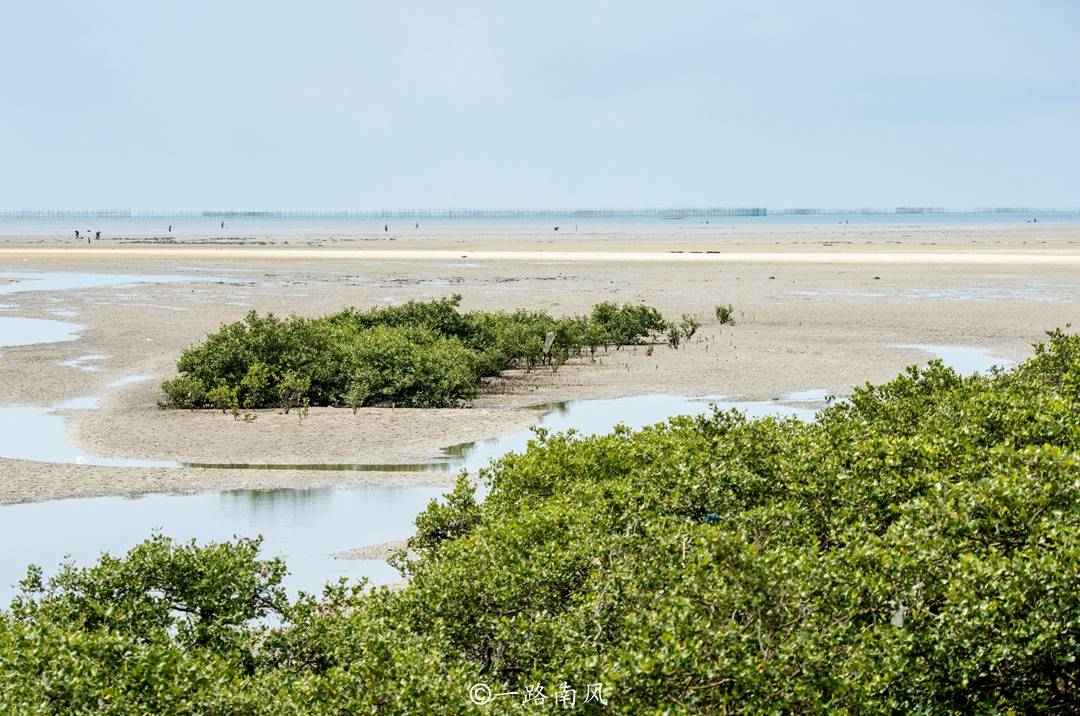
{"x": 346, "y": 104}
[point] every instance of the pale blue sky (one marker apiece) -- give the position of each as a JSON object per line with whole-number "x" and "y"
{"x": 337, "y": 104}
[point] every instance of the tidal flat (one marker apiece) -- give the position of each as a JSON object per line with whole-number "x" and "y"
{"x": 826, "y": 325}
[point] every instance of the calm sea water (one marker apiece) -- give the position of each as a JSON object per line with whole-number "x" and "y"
{"x": 666, "y": 222}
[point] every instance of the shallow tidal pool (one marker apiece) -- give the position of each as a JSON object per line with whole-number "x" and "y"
{"x": 307, "y": 527}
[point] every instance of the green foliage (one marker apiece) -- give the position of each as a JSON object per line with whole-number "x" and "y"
{"x": 725, "y": 314}
{"x": 224, "y": 398}
{"x": 184, "y": 392}
{"x": 257, "y": 386}
{"x": 293, "y": 391}
{"x": 688, "y": 326}
{"x": 199, "y": 595}
{"x": 916, "y": 549}
{"x": 441, "y": 522}
{"x": 674, "y": 334}
{"x": 411, "y": 367}
{"x": 684, "y": 330}
{"x": 420, "y": 354}
{"x": 624, "y": 325}
{"x": 167, "y": 629}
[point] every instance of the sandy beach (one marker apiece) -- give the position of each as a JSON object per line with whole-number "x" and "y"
{"x": 814, "y": 310}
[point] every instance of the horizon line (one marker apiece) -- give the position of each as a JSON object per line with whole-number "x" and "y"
{"x": 671, "y": 211}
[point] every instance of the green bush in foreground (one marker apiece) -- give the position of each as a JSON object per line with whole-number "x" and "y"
{"x": 420, "y": 354}
{"x": 914, "y": 550}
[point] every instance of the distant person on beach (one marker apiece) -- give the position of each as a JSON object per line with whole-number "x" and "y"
{"x": 76, "y": 233}
{"x": 170, "y": 228}
{"x": 386, "y": 227}
{"x": 556, "y": 228}
{"x": 97, "y": 235}
{"x": 223, "y": 224}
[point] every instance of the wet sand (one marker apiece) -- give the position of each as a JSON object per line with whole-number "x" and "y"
{"x": 24, "y": 481}
{"x": 899, "y": 238}
{"x": 813, "y": 310}
{"x": 853, "y": 258}
{"x": 382, "y": 550}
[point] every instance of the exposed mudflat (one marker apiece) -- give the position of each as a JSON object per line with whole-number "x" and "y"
{"x": 828, "y": 324}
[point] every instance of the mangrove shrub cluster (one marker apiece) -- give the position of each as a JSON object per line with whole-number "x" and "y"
{"x": 420, "y": 354}
{"x": 916, "y": 549}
